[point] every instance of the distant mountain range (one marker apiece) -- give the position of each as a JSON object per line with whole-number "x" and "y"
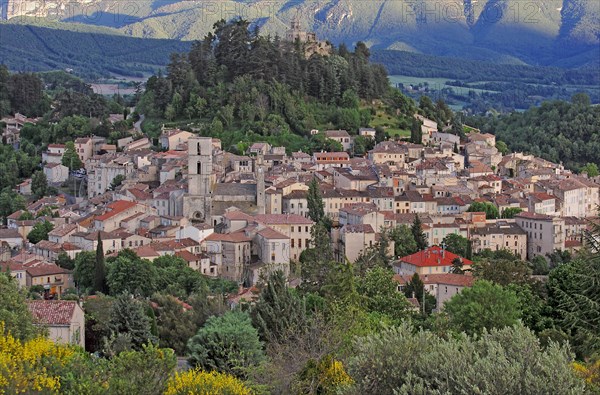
{"x": 563, "y": 33}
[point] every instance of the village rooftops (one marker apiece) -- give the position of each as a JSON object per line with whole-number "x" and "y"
{"x": 236, "y": 237}
{"x": 116, "y": 208}
{"x": 62, "y": 230}
{"x": 272, "y": 234}
{"x": 534, "y": 216}
{"x": 389, "y": 147}
{"x": 237, "y": 215}
{"x": 359, "y": 209}
{"x": 358, "y": 228}
{"x": 52, "y": 312}
{"x": 282, "y": 219}
{"x": 500, "y": 227}
{"x": 336, "y": 134}
{"x": 9, "y": 234}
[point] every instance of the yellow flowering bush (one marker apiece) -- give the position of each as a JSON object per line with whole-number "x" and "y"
{"x": 198, "y": 382}
{"x": 589, "y": 372}
{"x": 28, "y": 366}
{"x": 326, "y": 376}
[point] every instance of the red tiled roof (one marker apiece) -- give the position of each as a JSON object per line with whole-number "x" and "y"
{"x": 52, "y": 312}
{"x": 146, "y": 252}
{"x": 116, "y": 208}
{"x": 269, "y": 233}
{"x": 45, "y": 270}
{"x": 433, "y": 256}
{"x": 188, "y": 256}
{"x": 237, "y": 215}
{"x": 237, "y": 237}
{"x": 573, "y": 243}
{"x": 282, "y": 219}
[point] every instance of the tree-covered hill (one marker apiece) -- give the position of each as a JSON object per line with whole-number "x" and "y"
{"x": 241, "y": 86}
{"x": 557, "y": 131}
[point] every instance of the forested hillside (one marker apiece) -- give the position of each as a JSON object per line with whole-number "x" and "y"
{"x": 557, "y": 131}
{"x": 480, "y": 86}
{"x": 241, "y": 86}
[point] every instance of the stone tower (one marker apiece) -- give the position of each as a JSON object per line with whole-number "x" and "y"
{"x": 260, "y": 184}
{"x": 197, "y": 202}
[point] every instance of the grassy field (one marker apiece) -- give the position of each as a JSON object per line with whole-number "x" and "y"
{"x": 435, "y": 84}
{"x": 389, "y": 124}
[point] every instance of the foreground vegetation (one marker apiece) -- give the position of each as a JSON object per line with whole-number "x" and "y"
{"x": 345, "y": 329}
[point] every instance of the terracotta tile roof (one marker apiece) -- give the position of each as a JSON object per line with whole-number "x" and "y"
{"x": 282, "y": 219}
{"x": 46, "y": 269}
{"x": 358, "y": 228}
{"x": 116, "y": 208}
{"x": 237, "y": 215}
{"x": 433, "y": 256}
{"x": 63, "y": 230}
{"x": 573, "y": 243}
{"x": 237, "y": 237}
{"x": 9, "y": 234}
{"x": 269, "y": 233}
{"x": 188, "y": 256}
{"x": 52, "y": 312}
{"x": 336, "y": 133}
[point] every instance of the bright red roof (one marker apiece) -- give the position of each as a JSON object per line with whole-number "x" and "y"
{"x": 433, "y": 256}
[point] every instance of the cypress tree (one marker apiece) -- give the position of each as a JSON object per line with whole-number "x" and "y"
{"x": 100, "y": 269}
{"x": 316, "y": 207}
{"x": 419, "y": 235}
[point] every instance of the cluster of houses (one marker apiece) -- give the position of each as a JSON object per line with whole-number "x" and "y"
{"x": 239, "y": 217}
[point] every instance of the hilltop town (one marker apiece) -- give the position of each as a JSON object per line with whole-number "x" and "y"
{"x": 272, "y": 217}
{"x": 240, "y": 217}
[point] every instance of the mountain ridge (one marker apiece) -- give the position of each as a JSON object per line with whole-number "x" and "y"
{"x": 536, "y": 32}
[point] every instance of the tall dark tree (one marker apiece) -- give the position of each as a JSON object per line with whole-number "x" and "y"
{"x": 277, "y": 310}
{"x": 39, "y": 184}
{"x": 316, "y": 262}
{"x": 130, "y": 326}
{"x": 416, "y": 134}
{"x": 316, "y": 207}
{"x": 418, "y": 234}
{"x": 100, "y": 268}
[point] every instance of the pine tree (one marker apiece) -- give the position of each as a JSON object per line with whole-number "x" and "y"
{"x": 128, "y": 319}
{"x": 419, "y": 235}
{"x": 100, "y": 269}
{"x": 579, "y": 304}
{"x": 469, "y": 254}
{"x": 277, "y": 309}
